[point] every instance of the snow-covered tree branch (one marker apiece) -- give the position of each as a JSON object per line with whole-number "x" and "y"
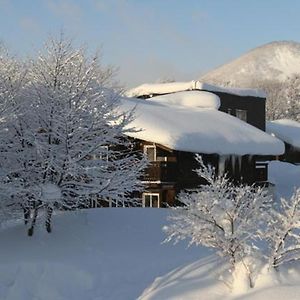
{"x": 219, "y": 215}
{"x": 283, "y": 231}
{"x": 71, "y": 144}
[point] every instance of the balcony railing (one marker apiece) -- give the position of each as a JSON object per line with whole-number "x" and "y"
{"x": 161, "y": 171}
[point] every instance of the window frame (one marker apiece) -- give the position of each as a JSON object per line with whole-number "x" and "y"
{"x": 146, "y": 147}
{"x": 242, "y": 111}
{"x": 151, "y": 201}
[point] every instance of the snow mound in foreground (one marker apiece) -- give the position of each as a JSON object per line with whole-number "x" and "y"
{"x": 111, "y": 254}
{"x": 209, "y": 278}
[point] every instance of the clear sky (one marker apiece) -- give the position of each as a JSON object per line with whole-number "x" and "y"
{"x": 153, "y": 39}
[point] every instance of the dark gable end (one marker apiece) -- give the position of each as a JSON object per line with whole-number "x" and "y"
{"x": 254, "y": 106}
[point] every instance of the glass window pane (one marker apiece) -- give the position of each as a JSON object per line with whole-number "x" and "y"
{"x": 147, "y": 200}
{"x": 154, "y": 200}
{"x": 150, "y": 152}
{"x": 241, "y": 114}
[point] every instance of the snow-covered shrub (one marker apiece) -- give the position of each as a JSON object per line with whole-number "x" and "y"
{"x": 219, "y": 215}
{"x": 283, "y": 231}
{"x": 73, "y": 146}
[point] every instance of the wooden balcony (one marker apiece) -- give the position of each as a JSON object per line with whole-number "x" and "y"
{"x": 161, "y": 171}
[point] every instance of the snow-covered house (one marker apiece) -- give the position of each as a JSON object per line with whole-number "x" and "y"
{"x": 246, "y": 104}
{"x": 178, "y": 120}
{"x": 289, "y": 132}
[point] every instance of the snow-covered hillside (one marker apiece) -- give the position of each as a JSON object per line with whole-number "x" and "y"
{"x": 273, "y": 61}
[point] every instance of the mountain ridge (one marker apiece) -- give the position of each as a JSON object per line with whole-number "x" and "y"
{"x": 274, "y": 61}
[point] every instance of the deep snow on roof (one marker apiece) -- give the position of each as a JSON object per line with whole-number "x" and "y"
{"x": 286, "y": 130}
{"x": 172, "y": 87}
{"x": 189, "y": 99}
{"x": 198, "y": 130}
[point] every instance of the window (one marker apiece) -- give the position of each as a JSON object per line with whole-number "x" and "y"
{"x": 150, "y": 151}
{"x": 102, "y": 154}
{"x": 151, "y": 200}
{"x": 241, "y": 114}
{"x": 229, "y": 111}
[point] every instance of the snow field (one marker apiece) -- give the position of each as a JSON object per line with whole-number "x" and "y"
{"x": 115, "y": 254}
{"x": 109, "y": 254}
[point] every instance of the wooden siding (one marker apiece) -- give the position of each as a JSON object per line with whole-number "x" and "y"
{"x": 255, "y": 107}
{"x": 168, "y": 178}
{"x": 291, "y": 154}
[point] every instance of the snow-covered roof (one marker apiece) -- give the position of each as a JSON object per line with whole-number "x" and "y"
{"x": 198, "y": 130}
{"x": 286, "y": 130}
{"x": 173, "y": 87}
{"x": 189, "y": 99}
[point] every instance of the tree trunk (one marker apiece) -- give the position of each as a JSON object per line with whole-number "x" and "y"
{"x": 48, "y": 219}
{"x": 26, "y": 214}
{"x": 35, "y": 214}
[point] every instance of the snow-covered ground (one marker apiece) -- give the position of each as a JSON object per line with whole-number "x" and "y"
{"x": 107, "y": 254}
{"x": 208, "y": 278}
{"x": 117, "y": 253}
{"x": 202, "y": 280}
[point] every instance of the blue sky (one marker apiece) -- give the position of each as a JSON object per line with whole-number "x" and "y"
{"x": 153, "y": 39}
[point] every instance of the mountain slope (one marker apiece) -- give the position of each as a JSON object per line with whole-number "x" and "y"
{"x": 273, "y": 61}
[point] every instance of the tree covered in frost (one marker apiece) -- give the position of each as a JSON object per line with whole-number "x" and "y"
{"x": 276, "y": 102}
{"x": 283, "y": 97}
{"x": 76, "y": 149}
{"x": 283, "y": 231}
{"x": 12, "y": 79}
{"x": 292, "y": 94}
{"x": 12, "y": 128}
{"x": 219, "y": 215}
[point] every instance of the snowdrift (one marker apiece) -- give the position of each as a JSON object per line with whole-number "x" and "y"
{"x": 208, "y": 279}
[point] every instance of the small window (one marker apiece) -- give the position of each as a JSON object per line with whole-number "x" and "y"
{"x": 241, "y": 114}
{"x": 102, "y": 154}
{"x": 229, "y": 111}
{"x": 151, "y": 200}
{"x": 150, "y": 151}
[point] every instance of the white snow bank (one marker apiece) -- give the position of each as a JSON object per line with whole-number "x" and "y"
{"x": 200, "y": 99}
{"x": 286, "y": 130}
{"x": 172, "y": 87}
{"x": 198, "y": 130}
{"x": 111, "y": 254}
{"x": 285, "y": 176}
{"x": 208, "y": 279}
